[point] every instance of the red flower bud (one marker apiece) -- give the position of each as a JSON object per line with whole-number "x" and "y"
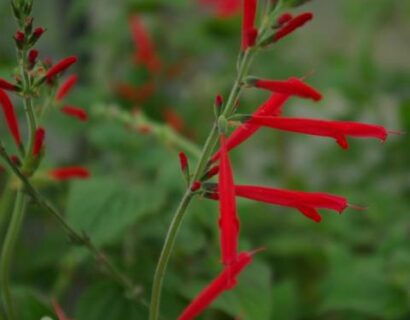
{"x": 10, "y": 116}
{"x": 4, "y": 84}
{"x": 38, "y": 32}
{"x": 38, "y": 141}
{"x": 226, "y": 280}
{"x": 183, "y": 161}
{"x": 60, "y": 67}
{"x": 292, "y": 25}
{"x": 75, "y": 112}
{"x": 196, "y": 186}
{"x": 284, "y": 18}
{"x": 212, "y": 172}
{"x": 219, "y": 101}
{"x": 32, "y": 57}
{"x": 66, "y": 86}
{"x": 19, "y": 36}
{"x": 68, "y": 173}
{"x": 249, "y": 32}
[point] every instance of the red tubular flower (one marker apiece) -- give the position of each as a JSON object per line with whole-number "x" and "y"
{"x": 75, "y": 112}
{"x": 10, "y": 116}
{"x": 293, "y": 87}
{"x": 4, "y": 84}
{"x": 249, "y": 32}
{"x": 212, "y": 172}
{"x": 183, "y": 161}
{"x": 69, "y": 173}
{"x": 228, "y": 220}
{"x": 66, "y": 86}
{"x": 324, "y": 128}
{"x": 38, "y": 141}
{"x": 226, "y": 280}
{"x": 292, "y": 25}
{"x": 60, "y": 67}
{"x": 306, "y": 202}
{"x": 284, "y": 18}
{"x": 271, "y": 107}
{"x": 145, "y": 53}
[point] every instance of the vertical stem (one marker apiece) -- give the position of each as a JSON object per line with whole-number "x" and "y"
{"x": 186, "y": 199}
{"x": 7, "y": 253}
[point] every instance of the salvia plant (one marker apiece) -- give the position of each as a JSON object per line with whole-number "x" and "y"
{"x": 43, "y": 87}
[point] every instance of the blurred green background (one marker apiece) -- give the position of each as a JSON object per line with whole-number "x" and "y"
{"x": 353, "y": 266}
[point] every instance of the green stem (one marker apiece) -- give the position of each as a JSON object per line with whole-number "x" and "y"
{"x": 186, "y": 199}
{"x": 7, "y": 253}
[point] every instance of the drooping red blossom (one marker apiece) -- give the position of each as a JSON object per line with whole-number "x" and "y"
{"x": 228, "y": 219}
{"x": 271, "y": 107}
{"x": 249, "y": 32}
{"x": 32, "y": 57}
{"x": 196, "y": 185}
{"x": 174, "y": 120}
{"x": 284, "y": 18}
{"x": 4, "y": 84}
{"x": 306, "y": 202}
{"x": 339, "y": 130}
{"x": 183, "y": 161}
{"x": 75, "y": 112}
{"x": 38, "y": 141}
{"x": 292, "y": 86}
{"x": 60, "y": 66}
{"x": 69, "y": 173}
{"x": 10, "y": 116}
{"x": 145, "y": 49}
{"x": 292, "y": 25}
{"x": 66, "y": 86}
{"x": 225, "y": 281}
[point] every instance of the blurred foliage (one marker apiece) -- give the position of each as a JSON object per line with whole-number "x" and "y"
{"x": 355, "y": 266}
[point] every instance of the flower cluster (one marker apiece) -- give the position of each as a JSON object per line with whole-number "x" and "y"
{"x": 37, "y": 79}
{"x": 267, "y": 115}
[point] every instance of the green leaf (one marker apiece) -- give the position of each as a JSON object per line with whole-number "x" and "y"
{"x": 108, "y": 302}
{"x": 105, "y": 207}
{"x": 285, "y": 301}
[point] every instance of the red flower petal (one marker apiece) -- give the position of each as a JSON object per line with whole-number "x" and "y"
{"x": 226, "y": 280}
{"x": 228, "y": 220}
{"x": 292, "y": 25}
{"x": 60, "y": 67}
{"x": 75, "y": 112}
{"x": 66, "y": 86}
{"x": 324, "y": 128}
{"x": 10, "y": 116}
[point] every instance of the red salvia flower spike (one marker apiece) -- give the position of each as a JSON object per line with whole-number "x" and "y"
{"x": 66, "y": 86}
{"x": 60, "y": 67}
{"x": 228, "y": 220}
{"x": 293, "y": 87}
{"x": 10, "y": 117}
{"x": 221, "y": 283}
{"x": 145, "y": 50}
{"x": 249, "y": 32}
{"x": 75, "y": 112}
{"x": 5, "y": 85}
{"x": 338, "y": 130}
{"x": 196, "y": 186}
{"x": 69, "y": 173}
{"x": 38, "y": 141}
{"x": 292, "y": 25}
{"x": 272, "y": 107}
{"x": 305, "y": 202}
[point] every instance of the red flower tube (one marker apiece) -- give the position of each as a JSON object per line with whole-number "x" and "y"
{"x": 66, "y": 86}
{"x": 69, "y": 173}
{"x": 60, "y": 67}
{"x": 4, "y": 84}
{"x": 38, "y": 141}
{"x": 226, "y": 280}
{"x": 228, "y": 220}
{"x": 75, "y": 112}
{"x": 272, "y": 107}
{"x": 249, "y": 32}
{"x": 292, "y": 25}
{"x": 10, "y": 116}
{"x": 305, "y": 202}
{"x": 293, "y": 87}
{"x": 324, "y": 128}
{"x": 183, "y": 161}
{"x": 145, "y": 53}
